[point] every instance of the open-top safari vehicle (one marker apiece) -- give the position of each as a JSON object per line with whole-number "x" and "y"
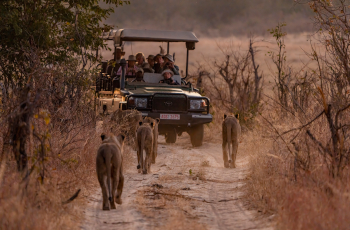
{"x": 180, "y": 108}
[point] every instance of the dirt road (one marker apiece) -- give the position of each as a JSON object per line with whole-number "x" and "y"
{"x": 188, "y": 189}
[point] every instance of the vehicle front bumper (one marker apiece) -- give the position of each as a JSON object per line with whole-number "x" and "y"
{"x": 186, "y": 119}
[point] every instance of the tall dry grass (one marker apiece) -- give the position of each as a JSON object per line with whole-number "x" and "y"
{"x": 44, "y": 199}
{"x": 39, "y": 200}
{"x": 296, "y": 196}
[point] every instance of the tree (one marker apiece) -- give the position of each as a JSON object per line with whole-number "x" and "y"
{"x": 55, "y": 30}
{"x": 235, "y": 82}
{"x": 47, "y": 53}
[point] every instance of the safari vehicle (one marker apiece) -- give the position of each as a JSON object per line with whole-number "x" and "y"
{"x": 180, "y": 108}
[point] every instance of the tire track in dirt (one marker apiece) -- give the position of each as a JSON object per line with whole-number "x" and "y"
{"x": 208, "y": 198}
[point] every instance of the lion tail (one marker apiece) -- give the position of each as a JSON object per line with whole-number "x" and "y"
{"x": 142, "y": 147}
{"x": 108, "y": 158}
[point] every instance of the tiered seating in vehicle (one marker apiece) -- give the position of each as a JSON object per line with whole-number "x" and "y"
{"x": 107, "y": 80}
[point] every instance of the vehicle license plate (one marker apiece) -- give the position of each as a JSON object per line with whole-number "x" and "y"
{"x": 170, "y": 116}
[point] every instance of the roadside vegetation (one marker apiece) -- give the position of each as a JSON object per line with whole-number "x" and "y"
{"x": 302, "y": 180}
{"x": 299, "y": 169}
{"x": 47, "y": 120}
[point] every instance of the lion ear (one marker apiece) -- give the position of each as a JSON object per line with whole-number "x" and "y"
{"x": 237, "y": 116}
{"x": 158, "y": 120}
{"x": 140, "y": 123}
{"x": 103, "y": 136}
{"x": 225, "y": 116}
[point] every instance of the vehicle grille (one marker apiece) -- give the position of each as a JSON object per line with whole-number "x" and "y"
{"x": 169, "y": 103}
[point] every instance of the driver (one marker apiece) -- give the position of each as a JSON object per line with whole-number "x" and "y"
{"x": 168, "y": 78}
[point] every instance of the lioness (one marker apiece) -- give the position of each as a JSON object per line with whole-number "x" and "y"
{"x": 155, "y": 136}
{"x": 127, "y": 122}
{"x": 231, "y": 131}
{"x": 109, "y": 165}
{"x": 144, "y": 143}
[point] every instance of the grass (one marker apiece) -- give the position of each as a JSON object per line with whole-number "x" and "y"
{"x": 31, "y": 204}
{"x": 69, "y": 166}
{"x": 295, "y": 198}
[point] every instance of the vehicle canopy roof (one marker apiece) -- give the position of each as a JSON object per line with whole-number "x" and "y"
{"x": 121, "y": 35}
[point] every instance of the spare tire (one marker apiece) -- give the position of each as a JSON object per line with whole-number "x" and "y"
{"x": 197, "y": 135}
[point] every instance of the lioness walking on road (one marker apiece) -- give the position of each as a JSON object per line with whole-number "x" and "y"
{"x": 144, "y": 146}
{"x": 109, "y": 166}
{"x": 155, "y": 136}
{"x": 231, "y": 131}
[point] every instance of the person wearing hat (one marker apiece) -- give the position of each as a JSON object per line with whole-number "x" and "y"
{"x": 131, "y": 69}
{"x": 169, "y": 63}
{"x": 139, "y": 76}
{"x": 118, "y": 54}
{"x": 168, "y": 78}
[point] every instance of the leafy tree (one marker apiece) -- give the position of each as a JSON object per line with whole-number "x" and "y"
{"x": 47, "y": 54}
{"x": 54, "y": 30}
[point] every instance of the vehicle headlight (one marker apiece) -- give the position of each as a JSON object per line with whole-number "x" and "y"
{"x": 141, "y": 102}
{"x": 198, "y": 104}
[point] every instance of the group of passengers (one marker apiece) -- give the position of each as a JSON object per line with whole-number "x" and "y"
{"x": 137, "y": 66}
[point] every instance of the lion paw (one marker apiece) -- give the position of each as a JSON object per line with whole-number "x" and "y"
{"x": 113, "y": 206}
{"x": 119, "y": 201}
{"x": 226, "y": 164}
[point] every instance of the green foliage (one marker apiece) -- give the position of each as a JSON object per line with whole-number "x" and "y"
{"x": 49, "y": 32}
{"x": 278, "y": 32}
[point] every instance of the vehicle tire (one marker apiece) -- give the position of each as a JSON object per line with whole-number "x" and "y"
{"x": 170, "y": 136}
{"x": 197, "y": 134}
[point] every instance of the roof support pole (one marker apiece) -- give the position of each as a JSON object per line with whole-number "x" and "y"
{"x": 187, "y": 62}
{"x": 122, "y": 78}
{"x": 168, "y": 48}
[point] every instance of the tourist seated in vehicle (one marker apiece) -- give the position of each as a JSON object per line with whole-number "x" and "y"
{"x": 147, "y": 68}
{"x": 141, "y": 61}
{"x": 158, "y": 63}
{"x": 118, "y": 54}
{"x": 139, "y": 76}
{"x": 150, "y": 60}
{"x": 169, "y": 63}
{"x": 131, "y": 68}
{"x": 168, "y": 78}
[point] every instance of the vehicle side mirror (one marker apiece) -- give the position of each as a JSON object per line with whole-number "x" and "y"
{"x": 190, "y": 45}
